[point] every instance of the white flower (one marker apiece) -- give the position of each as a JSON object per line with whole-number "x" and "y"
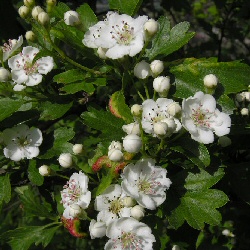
{"x": 146, "y": 183}
{"x": 11, "y": 47}
{"x": 110, "y": 204}
{"x": 21, "y": 142}
{"x": 72, "y": 211}
{"x": 44, "y": 170}
{"x": 155, "y": 112}
{"x": 65, "y": 160}
{"x": 76, "y": 191}
{"x": 128, "y": 233}
{"x": 27, "y": 73}
{"x": 201, "y": 118}
{"x": 97, "y": 229}
{"x": 132, "y": 128}
{"x": 132, "y": 143}
{"x": 120, "y": 34}
{"x": 142, "y": 70}
{"x": 71, "y": 18}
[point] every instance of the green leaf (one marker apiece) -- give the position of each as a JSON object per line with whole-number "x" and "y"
{"x": 59, "y": 144}
{"x": 87, "y": 16}
{"x": 118, "y": 105}
{"x": 9, "y": 106}
{"x": 233, "y": 76}
{"x": 70, "y": 76}
{"x": 52, "y": 111}
{"x": 34, "y": 175}
{"x": 198, "y": 205}
{"x": 23, "y": 237}
{"x": 5, "y": 189}
{"x": 129, "y": 7}
{"x": 73, "y": 88}
{"x": 104, "y": 121}
{"x": 105, "y": 182}
{"x": 167, "y": 40}
{"x": 35, "y": 205}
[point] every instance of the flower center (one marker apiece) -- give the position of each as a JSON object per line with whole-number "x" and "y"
{"x": 116, "y": 206}
{"x": 22, "y": 141}
{"x": 129, "y": 241}
{"x": 144, "y": 186}
{"x": 123, "y": 34}
{"x": 201, "y": 117}
{"x": 71, "y": 192}
{"x": 28, "y": 66}
{"x": 8, "y": 47}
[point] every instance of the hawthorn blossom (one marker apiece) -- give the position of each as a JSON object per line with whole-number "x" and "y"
{"x": 120, "y": 34}
{"x": 146, "y": 183}
{"x": 10, "y": 47}
{"x": 21, "y": 142}
{"x": 110, "y": 204}
{"x": 202, "y": 119}
{"x": 155, "y": 115}
{"x": 76, "y": 191}
{"x": 128, "y": 233}
{"x": 25, "y": 72}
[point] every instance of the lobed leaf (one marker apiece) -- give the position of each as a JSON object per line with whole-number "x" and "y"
{"x": 5, "y": 189}
{"x": 129, "y": 7}
{"x": 34, "y": 175}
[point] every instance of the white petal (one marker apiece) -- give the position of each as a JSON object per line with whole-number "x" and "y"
{"x": 31, "y": 152}
{"x": 45, "y": 64}
{"x": 34, "y": 79}
{"x": 208, "y": 103}
{"x": 204, "y": 136}
{"x": 19, "y": 76}
{"x": 30, "y": 52}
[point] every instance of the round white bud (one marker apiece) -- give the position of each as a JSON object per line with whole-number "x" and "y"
{"x": 151, "y": 27}
{"x": 132, "y": 143}
{"x": 161, "y": 84}
{"x": 30, "y": 36}
{"x": 23, "y": 11}
{"x": 44, "y": 170}
{"x": 210, "y": 81}
{"x": 247, "y": 96}
{"x": 74, "y": 210}
{"x": 115, "y": 145}
{"x": 160, "y": 128}
{"x": 132, "y": 128}
{"x": 128, "y": 201}
{"x": 65, "y": 160}
{"x": 176, "y": 247}
{"x": 156, "y": 67}
{"x": 240, "y": 97}
{"x": 244, "y": 111}
{"x": 136, "y": 110}
{"x": 102, "y": 53}
{"x": 115, "y": 154}
{"x": 97, "y": 229}
{"x": 36, "y": 11}
{"x": 4, "y": 75}
{"x": 227, "y": 233}
{"x": 171, "y": 125}
{"x": 43, "y": 18}
{"x": 224, "y": 141}
{"x": 174, "y": 109}
{"x": 71, "y": 18}
{"x": 142, "y": 70}
{"x": 77, "y": 149}
{"x": 29, "y": 3}
{"x": 137, "y": 212}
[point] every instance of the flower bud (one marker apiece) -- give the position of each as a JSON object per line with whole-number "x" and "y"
{"x": 176, "y": 247}
{"x": 36, "y": 11}
{"x": 115, "y": 145}
{"x": 23, "y": 11}
{"x": 51, "y": 2}
{"x": 71, "y": 18}
{"x": 30, "y": 36}
{"x": 210, "y": 81}
{"x": 43, "y": 18}
{"x": 136, "y": 110}
{"x": 151, "y": 27}
{"x": 244, "y": 111}
{"x": 132, "y": 143}
{"x": 102, "y": 53}
{"x": 132, "y": 128}
{"x": 171, "y": 125}
{"x": 224, "y": 141}
{"x": 161, "y": 84}
{"x": 156, "y": 67}
{"x": 44, "y": 170}
{"x": 128, "y": 201}
{"x": 142, "y": 70}
{"x": 65, "y": 160}
{"x": 74, "y": 210}
{"x": 227, "y": 233}
{"x": 115, "y": 154}
{"x": 29, "y": 3}
{"x": 97, "y": 229}
{"x": 174, "y": 109}
{"x": 160, "y": 128}
{"x": 4, "y": 75}
{"x": 137, "y": 212}
{"x": 247, "y": 96}
{"x": 77, "y": 149}
{"x": 240, "y": 97}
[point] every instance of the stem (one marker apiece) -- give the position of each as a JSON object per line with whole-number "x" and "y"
{"x": 146, "y": 90}
{"x": 139, "y": 93}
